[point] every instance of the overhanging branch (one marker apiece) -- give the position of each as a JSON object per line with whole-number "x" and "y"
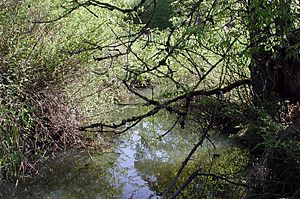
{"x": 95, "y": 3}
{"x": 165, "y": 105}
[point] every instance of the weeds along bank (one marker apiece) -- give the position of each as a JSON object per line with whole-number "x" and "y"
{"x": 49, "y": 63}
{"x": 35, "y": 120}
{"x": 45, "y": 67}
{"x": 48, "y": 73}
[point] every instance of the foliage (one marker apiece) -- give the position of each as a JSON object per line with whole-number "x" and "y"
{"x": 188, "y": 54}
{"x": 273, "y": 29}
{"x": 158, "y": 14}
{"x": 278, "y": 150}
{"x": 208, "y": 48}
{"x": 35, "y": 120}
{"x": 231, "y": 164}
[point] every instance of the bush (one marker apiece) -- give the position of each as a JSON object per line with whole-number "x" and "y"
{"x": 35, "y": 120}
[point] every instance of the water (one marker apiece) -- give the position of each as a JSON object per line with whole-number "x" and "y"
{"x": 137, "y": 166}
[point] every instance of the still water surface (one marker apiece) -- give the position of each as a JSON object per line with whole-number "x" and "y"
{"x": 137, "y": 166}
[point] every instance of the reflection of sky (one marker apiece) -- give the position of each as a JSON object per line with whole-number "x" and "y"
{"x": 134, "y": 166}
{"x": 133, "y": 184}
{"x": 143, "y": 152}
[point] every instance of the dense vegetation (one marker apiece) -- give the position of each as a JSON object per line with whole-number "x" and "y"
{"x": 36, "y": 121}
{"x": 232, "y": 66}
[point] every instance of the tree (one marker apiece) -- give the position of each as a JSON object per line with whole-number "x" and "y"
{"x": 274, "y": 39}
{"x": 209, "y": 48}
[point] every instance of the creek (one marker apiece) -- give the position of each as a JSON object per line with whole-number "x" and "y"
{"x": 135, "y": 165}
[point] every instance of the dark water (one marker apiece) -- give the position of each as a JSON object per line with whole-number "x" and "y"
{"x": 137, "y": 166}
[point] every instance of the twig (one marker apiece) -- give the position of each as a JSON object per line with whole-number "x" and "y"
{"x": 168, "y": 131}
{"x": 187, "y": 159}
{"x": 166, "y": 105}
{"x": 197, "y": 173}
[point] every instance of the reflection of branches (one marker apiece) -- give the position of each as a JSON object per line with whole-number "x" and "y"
{"x": 197, "y": 173}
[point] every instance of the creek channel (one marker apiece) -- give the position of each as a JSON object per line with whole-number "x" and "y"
{"x": 136, "y": 165}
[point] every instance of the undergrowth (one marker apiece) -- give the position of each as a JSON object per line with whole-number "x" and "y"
{"x": 35, "y": 121}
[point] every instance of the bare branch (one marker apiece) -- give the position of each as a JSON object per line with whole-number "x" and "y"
{"x": 216, "y": 91}
{"x": 168, "y": 131}
{"x": 113, "y": 7}
{"x": 198, "y": 173}
{"x": 92, "y": 3}
{"x": 166, "y": 105}
{"x": 67, "y": 13}
{"x": 187, "y": 159}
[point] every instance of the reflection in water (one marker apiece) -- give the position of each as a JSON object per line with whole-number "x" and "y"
{"x": 140, "y": 166}
{"x": 126, "y": 176}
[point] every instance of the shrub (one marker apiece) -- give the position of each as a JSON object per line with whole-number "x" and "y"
{"x": 35, "y": 119}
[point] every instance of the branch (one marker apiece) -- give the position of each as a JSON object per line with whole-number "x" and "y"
{"x": 68, "y": 12}
{"x": 109, "y": 56}
{"x": 165, "y": 105}
{"x": 197, "y": 173}
{"x": 122, "y": 123}
{"x": 93, "y": 3}
{"x": 113, "y": 7}
{"x": 153, "y": 102}
{"x": 216, "y": 91}
{"x": 170, "y": 129}
{"x": 187, "y": 159}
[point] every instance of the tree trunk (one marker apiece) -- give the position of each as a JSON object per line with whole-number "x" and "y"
{"x": 275, "y": 66}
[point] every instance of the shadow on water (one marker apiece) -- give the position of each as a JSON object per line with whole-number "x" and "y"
{"x": 138, "y": 166}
